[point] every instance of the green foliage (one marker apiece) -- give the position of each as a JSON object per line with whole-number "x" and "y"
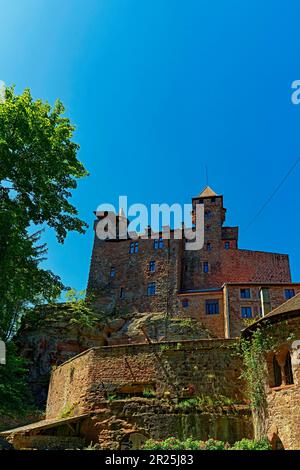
{"x": 39, "y": 164}
{"x": 79, "y": 309}
{"x": 15, "y": 398}
{"x": 164, "y": 347}
{"x": 67, "y": 411}
{"x": 205, "y": 401}
{"x": 253, "y": 352}
{"x": 149, "y": 393}
{"x": 187, "y": 323}
{"x": 112, "y": 397}
{"x": 247, "y": 444}
{"x": 38, "y": 171}
{"x": 172, "y": 443}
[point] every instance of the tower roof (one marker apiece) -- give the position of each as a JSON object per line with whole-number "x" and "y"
{"x": 207, "y": 192}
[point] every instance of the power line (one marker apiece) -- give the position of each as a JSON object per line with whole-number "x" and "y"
{"x": 274, "y": 193}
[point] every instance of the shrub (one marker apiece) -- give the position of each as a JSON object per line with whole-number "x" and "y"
{"x": 172, "y": 443}
{"x": 213, "y": 444}
{"x": 248, "y": 444}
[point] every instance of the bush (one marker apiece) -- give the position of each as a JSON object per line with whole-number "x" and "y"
{"x": 172, "y": 443}
{"x": 247, "y": 444}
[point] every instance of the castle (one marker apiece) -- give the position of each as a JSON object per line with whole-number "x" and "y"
{"x": 164, "y": 360}
{"x": 219, "y": 285}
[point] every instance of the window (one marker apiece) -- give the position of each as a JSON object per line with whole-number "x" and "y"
{"x": 265, "y": 301}
{"x": 276, "y": 372}
{"x": 112, "y": 272}
{"x": 205, "y": 267}
{"x": 211, "y": 307}
{"x": 288, "y": 372}
{"x": 226, "y": 245}
{"x": 289, "y": 293}
{"x": 208, "y": 214}
{"x": 208, "y": 246}
{"x": 185, "y": 303}
{"x": 159, "y": 243}
{"x": 245, "y": 294}
{"x": 152, "y": 266}
{"x": 213, "y": 199}
{"x": 134, "y": 247}
{"x": 283, "y": 376}
{"x": 246, "y": 312}
{"x": 151, "y": 290}
{"x": 122, "y": 293}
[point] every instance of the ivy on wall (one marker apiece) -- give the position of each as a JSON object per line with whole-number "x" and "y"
{"x": 253, "y": 351}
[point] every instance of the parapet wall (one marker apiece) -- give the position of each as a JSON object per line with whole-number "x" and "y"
{"x": 170, "y": 369}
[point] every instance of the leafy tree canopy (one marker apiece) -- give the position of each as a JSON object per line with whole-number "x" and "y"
{"x": 38, "y": 170}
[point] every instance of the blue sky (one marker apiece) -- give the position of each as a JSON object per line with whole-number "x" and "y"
{"x": 158, "y": 89}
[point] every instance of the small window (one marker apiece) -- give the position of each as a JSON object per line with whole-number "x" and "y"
{"x": 226, "y": 245}
{"x": 245, "y": 293}
{"x": 151, "y": 290}
{"x": 208, "y": 246}
{"x": 185, "y": 303}
{"x": 134, "y": 247}
{"x": 158, "y": 243}
{"x": 122, "y": 293}
{"x": 212, "y": 307}
{"x": 289, "y": 293}
{"x": 112, "y": 272}
{"x": 213, "y": 199}
{"x": 208, "y": 214}
{"x": 152, "y": 266}
{"x": 288, "y": 371}
{"x": 246, "y": 312}
{"x": 205, "y": 267}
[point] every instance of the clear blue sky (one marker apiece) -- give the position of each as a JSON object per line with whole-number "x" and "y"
{"x": 159, "y": 88}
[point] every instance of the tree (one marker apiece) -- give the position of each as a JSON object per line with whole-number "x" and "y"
{"x": 38, "y": 170}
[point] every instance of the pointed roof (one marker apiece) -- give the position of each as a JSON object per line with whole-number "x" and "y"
{"x": 207, "y": 192}
{"x": 121, "y": 212}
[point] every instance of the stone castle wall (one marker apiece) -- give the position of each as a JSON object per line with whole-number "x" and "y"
{"x": 172, "y": 369}
{"x": 281, "y": 418}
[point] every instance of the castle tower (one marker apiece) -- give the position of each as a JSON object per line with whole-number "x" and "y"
{"x": 201, "y": 267}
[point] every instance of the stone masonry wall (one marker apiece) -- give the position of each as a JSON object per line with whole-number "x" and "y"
{"x": 281, "y": 421}
{"x": 116, "y": 422}
{"x": 185, "y": 369}
{"x": 133, "y": 275}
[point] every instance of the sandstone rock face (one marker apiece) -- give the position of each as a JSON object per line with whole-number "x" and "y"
{"x": 52, "y": 337}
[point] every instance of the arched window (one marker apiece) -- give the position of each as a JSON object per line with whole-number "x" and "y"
{"x": 277, "y": 373}
{"x": 288, "y": 372}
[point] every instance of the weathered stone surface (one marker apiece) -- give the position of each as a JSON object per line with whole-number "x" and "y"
{"x": 174, "y": 369}
{"x": 280, "y": 420}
